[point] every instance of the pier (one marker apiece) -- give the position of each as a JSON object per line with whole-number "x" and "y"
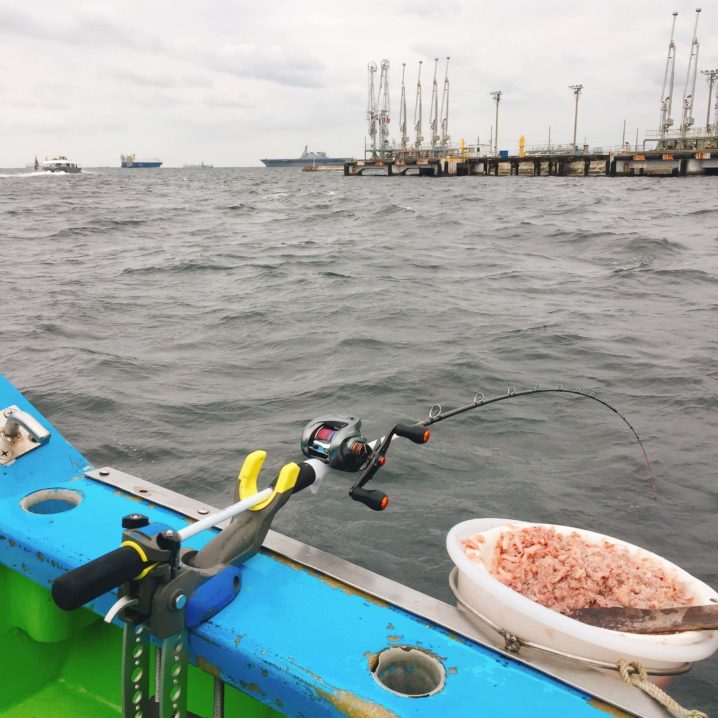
{"x": 654, "y": 163}
{"x": 676, "y": 149}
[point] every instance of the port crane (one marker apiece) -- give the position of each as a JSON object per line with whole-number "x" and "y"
{"x": 689, "y": 92}
{"x": 444, "y": 114}
{"x": 402, "y": 111}
{"x": 384, "y": 118}
{"x": 666, "y": 121}
{"x": 417, "y": 112}
{"x": 711, "y": 76}
{"x": 371, "y": 111}
{"x": 434, "y": 118}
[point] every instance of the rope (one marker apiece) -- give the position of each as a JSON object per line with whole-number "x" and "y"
{"x": 635, "y": 674}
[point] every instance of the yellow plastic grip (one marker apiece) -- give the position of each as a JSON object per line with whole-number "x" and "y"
{"x": 250, "y": 471}
{"x": 137, "y": 548}
{"x": 142, "y": 555}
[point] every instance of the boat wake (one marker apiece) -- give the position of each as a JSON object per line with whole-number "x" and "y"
{"x": 33, "y": 173}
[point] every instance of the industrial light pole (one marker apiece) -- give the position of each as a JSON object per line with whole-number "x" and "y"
{"x": 712, "y": 76}
{"x": 576, "y": 91}
{"x": 497, "y": 98}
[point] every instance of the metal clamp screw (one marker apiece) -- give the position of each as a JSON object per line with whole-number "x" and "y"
{"x": 179, "y": 601}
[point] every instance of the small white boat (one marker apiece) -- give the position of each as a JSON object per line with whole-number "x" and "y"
{"x": 58, "y": 164}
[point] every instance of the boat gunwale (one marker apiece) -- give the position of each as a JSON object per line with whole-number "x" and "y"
{"x": 585, "y": 679}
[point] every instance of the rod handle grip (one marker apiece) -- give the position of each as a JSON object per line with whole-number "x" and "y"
{"x": 306, "y": 477}
{"x": 105, "y": 573}
{"x": 417, "y": 433}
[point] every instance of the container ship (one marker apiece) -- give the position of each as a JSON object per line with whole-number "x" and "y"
{"x": 131, "y": 162}
{"x": 307, "y": 159}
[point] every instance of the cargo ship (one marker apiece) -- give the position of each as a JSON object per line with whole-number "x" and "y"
{"x": 306, "y": 159}
{"x": 131, "y": 162}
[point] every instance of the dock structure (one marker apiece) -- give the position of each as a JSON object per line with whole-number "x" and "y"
{"x": 657, "y": 163}
{"x": 676, "y": 150}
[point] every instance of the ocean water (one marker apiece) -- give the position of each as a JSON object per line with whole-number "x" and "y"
{"x": 169, "y": 322}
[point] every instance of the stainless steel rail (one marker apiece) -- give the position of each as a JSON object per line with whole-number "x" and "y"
{"x": 597, "y": 683}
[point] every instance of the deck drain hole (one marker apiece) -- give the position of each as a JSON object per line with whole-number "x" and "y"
{"x": 51, "y": 501}
{"x": 408, "y": 671}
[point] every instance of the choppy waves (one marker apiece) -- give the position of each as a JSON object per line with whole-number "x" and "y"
{"x": 169, "y": 325}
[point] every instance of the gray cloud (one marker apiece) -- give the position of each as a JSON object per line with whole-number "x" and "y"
{"x": 273, "y": 64}
{"x": 163, "y": 80}
{"x": 227, "y": 103}
{"x": 426, "y": 9}
{"x": 236, "y": 80}
{"x": 85, "y": 28}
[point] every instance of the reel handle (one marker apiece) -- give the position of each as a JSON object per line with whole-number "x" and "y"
{"x": 375, "y": 500}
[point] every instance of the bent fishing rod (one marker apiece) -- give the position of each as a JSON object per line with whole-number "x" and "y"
{"x": 329, "y": 442}
{"x": 166, "y": 589}
{"x": 338, "y": 442}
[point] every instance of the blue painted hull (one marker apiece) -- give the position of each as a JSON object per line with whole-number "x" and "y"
{"x": 140, "y": 165}
{"x": 296, "y": 640}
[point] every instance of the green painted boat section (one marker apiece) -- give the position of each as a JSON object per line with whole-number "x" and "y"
{"x": 57, "y": 663}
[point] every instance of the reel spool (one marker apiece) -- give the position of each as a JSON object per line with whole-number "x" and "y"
{"x": 336, "y": 441}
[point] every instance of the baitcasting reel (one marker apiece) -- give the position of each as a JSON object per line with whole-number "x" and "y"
{"x": 338, "y": 442}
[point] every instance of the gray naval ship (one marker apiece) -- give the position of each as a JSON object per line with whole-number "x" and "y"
{"x": 307, "y": 159}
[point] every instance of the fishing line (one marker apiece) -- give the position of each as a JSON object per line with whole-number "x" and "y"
{"x": 436, "y": 414}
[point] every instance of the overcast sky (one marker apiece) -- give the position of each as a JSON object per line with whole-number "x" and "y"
{"x": 231, "y": 81}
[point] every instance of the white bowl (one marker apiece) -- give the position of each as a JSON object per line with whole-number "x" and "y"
{"x": 535, "y": 623}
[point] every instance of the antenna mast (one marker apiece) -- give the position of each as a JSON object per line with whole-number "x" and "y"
{"x": 417, "y": 111}
{"x": 690, "y": 90}
{"x": 433, "y": 122}
{"x": 445, "y": 110}
{"x": 402, "y": 111}
{"x": 666, "y": 122}
{"x": 384, "y": 118}
{"x": 371, "y": 110}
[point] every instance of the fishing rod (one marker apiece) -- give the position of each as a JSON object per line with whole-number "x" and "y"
{"x": 166, "y": 588}
{"x": 338, "y": 442}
